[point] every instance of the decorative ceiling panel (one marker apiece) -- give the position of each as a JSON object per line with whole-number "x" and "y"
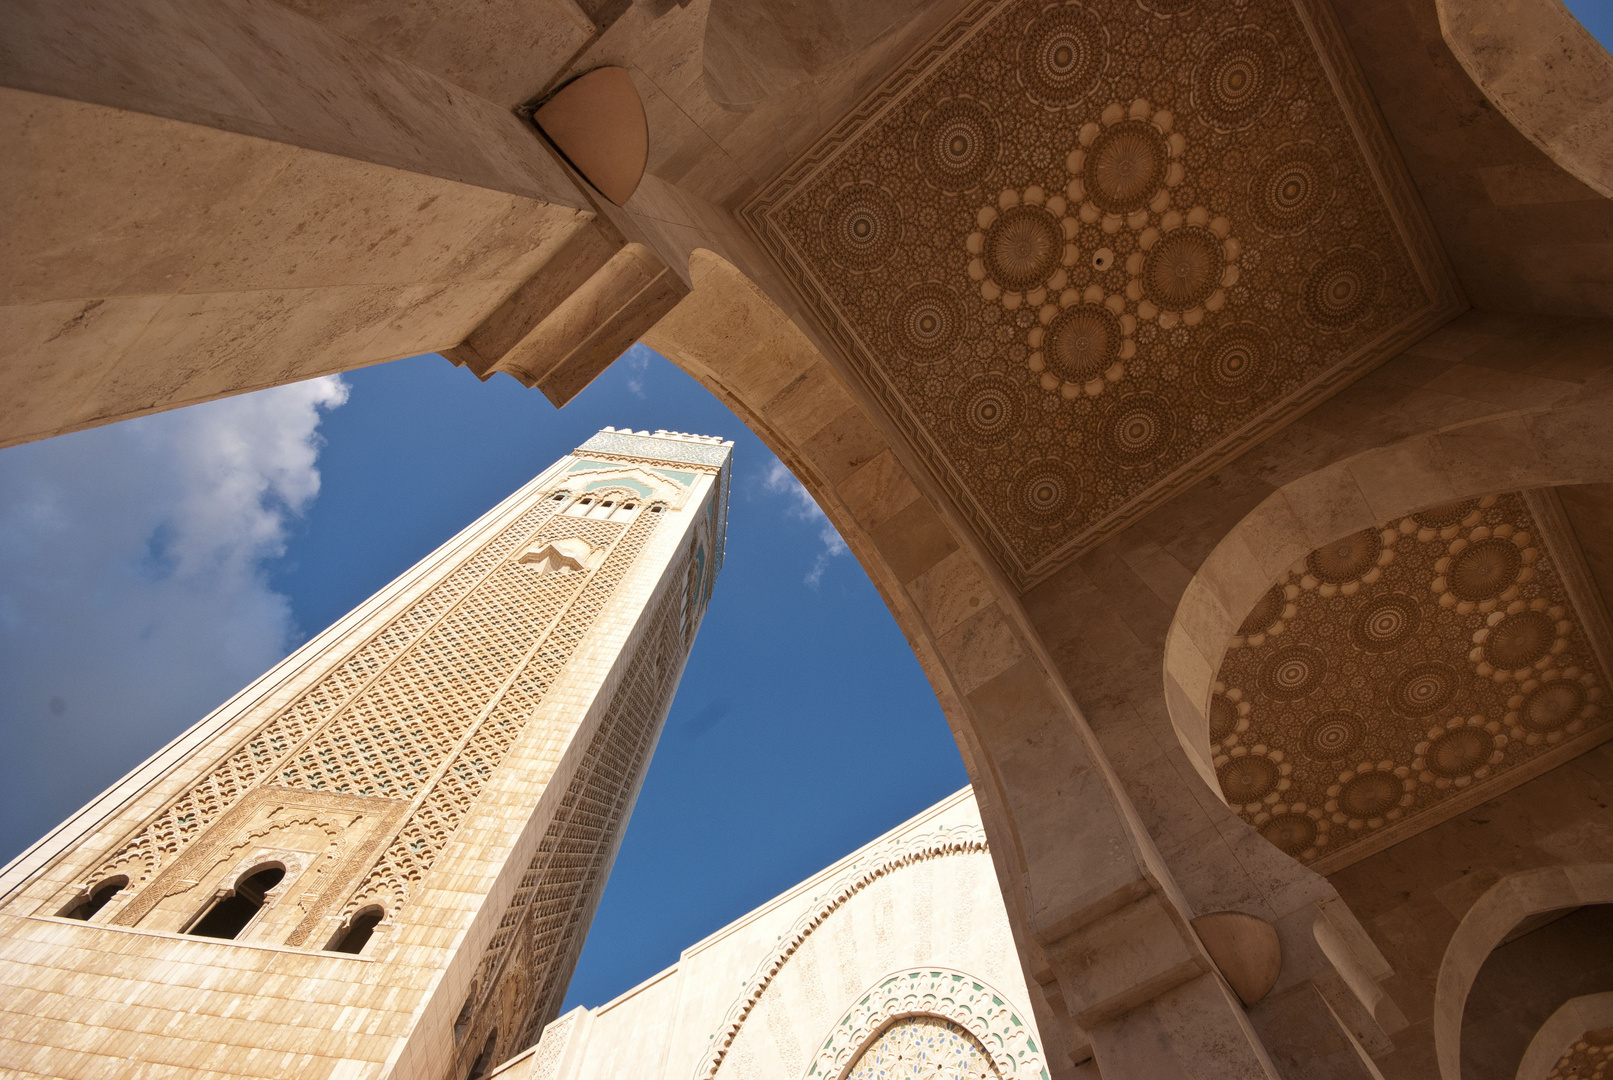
{"x": 1405, "y": 673}
{"x": 1086, "y": 252}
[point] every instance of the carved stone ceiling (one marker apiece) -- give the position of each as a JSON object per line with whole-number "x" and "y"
{"x": 1405, "y": 673}
{"x": 1086, "y": 252}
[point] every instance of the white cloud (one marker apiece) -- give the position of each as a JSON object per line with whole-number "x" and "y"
{"x": 637, "y": 361}
{"x": 134, "y": 591}
{"x": 780, "y": 481}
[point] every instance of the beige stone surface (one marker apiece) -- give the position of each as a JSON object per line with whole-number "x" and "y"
{"x": 274, "y": 264}
{"x": 793, "y": 988}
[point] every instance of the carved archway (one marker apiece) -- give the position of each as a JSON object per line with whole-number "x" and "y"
{"x": 950, "y": 995}
{"x": 1545, "y": 447}
{"x": 1503, "y": 906}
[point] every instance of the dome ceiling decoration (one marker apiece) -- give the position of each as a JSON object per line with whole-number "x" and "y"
{"x": 1086, "y": 252}
{"x": 1402, "y": 674}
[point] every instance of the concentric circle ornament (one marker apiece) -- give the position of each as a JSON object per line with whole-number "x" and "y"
{"x": 957, "y": 144}
{"x": 1237, "y": 79}
{"x": 861, "y": 227}
{"x": 1342, "y": 288}
{"x": 1267, "y": 610}
{"x": 1136, "y": 429}
{"x": 1183, "y": 268}
{"x": 927, "y": 322}
{"x": 1370, "y": 795}
{"x": 1484, "y": 569}
{"x": 1333, "y": 735}
{"x": 989, "y": 410}
{"x": 1223, "y": 717}
{"x": 1520, "y": 639}
{"x": 1445, "y": 515}
{"x": 1082, "y": 342}
{"x": 1423, "y": 689}
{"x": 1458, "y": 752}
{"x": 1062, "y": 55}
{"x": 1235, "y": 364}
{"x": 1125, "y": 166}
{"x": 1292, "y": 672}
{"x": 1023, "y": 247}
{"x": 1248, "y": 779}
{"x": 1384, "y": 623}
{"x": 1552, "y": 706}
{"x": 1292, "y": 833}
{"x": 1347, "y": 558}
{"x": 1291, "y": 188}
{"x": 1045, "y": 492}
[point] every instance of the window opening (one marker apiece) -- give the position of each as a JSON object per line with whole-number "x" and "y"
{"x": 98, "y": 898}
{"x": 229, "y": 916}
{"x": 462, "y": 1021}
{"x": 484, "y": 1060}
{"x": 357, "y": 935}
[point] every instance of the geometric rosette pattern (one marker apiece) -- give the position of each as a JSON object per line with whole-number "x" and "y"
{"x": 1039, "y": 201}
{"x": 1423, "y": 659}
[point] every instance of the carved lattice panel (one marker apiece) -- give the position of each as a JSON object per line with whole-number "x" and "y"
{"x": 540, "y": 934}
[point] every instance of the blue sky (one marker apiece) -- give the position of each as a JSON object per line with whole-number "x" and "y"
{"x": 149, "y": 569}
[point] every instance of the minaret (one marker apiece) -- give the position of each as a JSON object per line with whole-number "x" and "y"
{"x": 381, "y": 858}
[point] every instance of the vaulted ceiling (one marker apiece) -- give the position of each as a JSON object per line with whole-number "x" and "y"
{"x": 1086, "y": 252}
{"x": 1407, "y": 672}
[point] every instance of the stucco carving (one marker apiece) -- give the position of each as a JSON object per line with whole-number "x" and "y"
{"x": 1080, "y": 282}
{"x": 1436, "y": 657}
{"x": 873, "y": 866}
{"x": 932, "y": 992}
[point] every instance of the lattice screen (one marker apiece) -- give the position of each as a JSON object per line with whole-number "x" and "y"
{"x": 423, "y": 709}
{"x": 534, "y": 950}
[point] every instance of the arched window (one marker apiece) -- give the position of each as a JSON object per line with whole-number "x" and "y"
{"x": 85, "y": 908}
{"x": 356, "y": 934}
{"x": 484, "y": 1061}
{"x": 229, "y": 915}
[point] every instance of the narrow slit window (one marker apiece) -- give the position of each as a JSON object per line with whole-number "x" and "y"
{"x": 484, "y": 1060}
{"x": 229, "y": 916}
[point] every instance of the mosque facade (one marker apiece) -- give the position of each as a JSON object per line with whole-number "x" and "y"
{"x": 1219, "y": 393}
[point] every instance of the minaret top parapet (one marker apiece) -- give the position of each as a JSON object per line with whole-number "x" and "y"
{"x": 709, "y": 450}
{"x": 663, "y": 433}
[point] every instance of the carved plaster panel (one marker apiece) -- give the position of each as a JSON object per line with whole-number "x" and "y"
{"x": 325, "y": 841}
{"x": 1407, "y": 672}
{"x": 870, "y": 867}
{"x": 1086, "y": 252}
{"x": 930, "y": 1018}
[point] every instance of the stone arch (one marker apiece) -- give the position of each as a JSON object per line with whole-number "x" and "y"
{"x": 1574, "y": 1018}
{"x": 1546, "y": 447}
{"x": 939, "y": 992}
{"x": 1545, "y": 73}
{"x": 1503, "y": 906}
